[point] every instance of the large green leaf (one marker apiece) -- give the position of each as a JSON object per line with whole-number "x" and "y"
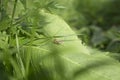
{"x": 79, "y": 63}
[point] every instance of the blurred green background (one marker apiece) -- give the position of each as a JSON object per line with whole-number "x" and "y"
{"x": 97, "y": 20}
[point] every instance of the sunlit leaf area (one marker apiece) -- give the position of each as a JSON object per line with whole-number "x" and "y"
{"x": 59, "y": 39}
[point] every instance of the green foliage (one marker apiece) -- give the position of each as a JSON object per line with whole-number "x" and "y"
{"x": 104, "y": 40}
{"x": 36, "y": 44}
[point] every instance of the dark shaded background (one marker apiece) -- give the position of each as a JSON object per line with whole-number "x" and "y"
{"x": 97, "y": 20}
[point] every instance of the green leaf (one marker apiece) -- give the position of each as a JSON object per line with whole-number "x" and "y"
{"x": 91, "y": 67}
{"x": 3, "y": 40}
{"x": 4, "y": 24}
{"x": 24, "y": 3}
{"x": 58, "y": 27}
{"x": 79, "y": 66}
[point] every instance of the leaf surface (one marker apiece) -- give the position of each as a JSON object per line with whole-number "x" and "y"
{"x": 79, "y": 62}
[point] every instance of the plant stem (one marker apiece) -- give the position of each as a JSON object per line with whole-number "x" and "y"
{"x": 14, "y": 9}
